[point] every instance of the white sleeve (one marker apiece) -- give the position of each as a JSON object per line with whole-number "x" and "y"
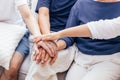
{"x": 105, "y": 29}
{"x": 20, "y": 2}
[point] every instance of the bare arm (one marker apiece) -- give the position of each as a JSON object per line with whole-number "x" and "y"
{"x": 102, "y": 29}
{"x": 43, "y": 19}
{"x": 78, "y": 31}
{"x": 29, "y": 19}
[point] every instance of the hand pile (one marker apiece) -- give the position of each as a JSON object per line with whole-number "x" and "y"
{"x": 45, "y": 50}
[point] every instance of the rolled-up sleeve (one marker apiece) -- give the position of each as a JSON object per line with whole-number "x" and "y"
{"x": 105, "y": 29}
{"x": 42, "y": 3}
{"x": 68, "y": 40}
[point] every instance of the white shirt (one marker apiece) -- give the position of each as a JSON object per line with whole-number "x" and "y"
{"x": 9, "y": 12}
{"x": 105, "y": 29}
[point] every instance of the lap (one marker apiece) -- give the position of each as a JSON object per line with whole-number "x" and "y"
{"x": 65, "y": 58}
{"x": 76, "y": 72}
{"x": 23, "y": 46}
{"x": 104, "y": 71}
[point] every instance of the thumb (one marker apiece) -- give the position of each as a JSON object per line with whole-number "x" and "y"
{"x": 37, "y": 39}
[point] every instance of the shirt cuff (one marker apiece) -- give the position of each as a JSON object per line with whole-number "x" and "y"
{"x": 67, "y": 41}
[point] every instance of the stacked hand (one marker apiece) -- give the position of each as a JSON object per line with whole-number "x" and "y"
{"x": 50, "y": 36}
{"x": 44, "y": 50}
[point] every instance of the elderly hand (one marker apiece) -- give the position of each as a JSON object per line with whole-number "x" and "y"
{"x": 49, "y": 46}
{"x": 46, "y": 49}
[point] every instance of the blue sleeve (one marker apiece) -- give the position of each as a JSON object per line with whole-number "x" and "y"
{"x": 71, "y": 22}
{"x": 42, "y": 3}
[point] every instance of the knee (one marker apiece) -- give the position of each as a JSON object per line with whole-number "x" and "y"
{"x": 13, "y": 72}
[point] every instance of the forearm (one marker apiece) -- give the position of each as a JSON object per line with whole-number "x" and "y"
{"x": 32, "y": 26}
{"x": 29, "y": 19}
{"x": 102, "y": 29}
{"x": 78, "y": 31}
{"x": 43, "y": 19}
{"x": 44, "y": 24}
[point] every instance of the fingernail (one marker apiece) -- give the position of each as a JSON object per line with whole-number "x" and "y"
{"x": 45, "y": 59}
{"x": 42, "y": 61}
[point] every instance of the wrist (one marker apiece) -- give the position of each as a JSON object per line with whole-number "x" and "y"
{"x": 61, "y": 44}
{"x": 60, "y": 34}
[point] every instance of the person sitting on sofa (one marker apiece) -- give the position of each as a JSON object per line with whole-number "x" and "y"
{"x": 52, "y": 16}
{"x": 11, "y": 12}
{"x": 96, "y": 58}
{"x": 102, "y": 29}
{"x": 110, "y": 28}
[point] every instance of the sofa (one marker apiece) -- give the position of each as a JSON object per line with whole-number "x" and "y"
{"x": 26, "y": 63}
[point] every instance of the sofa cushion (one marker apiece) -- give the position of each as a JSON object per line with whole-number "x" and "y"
{"x": 10, "y": 35}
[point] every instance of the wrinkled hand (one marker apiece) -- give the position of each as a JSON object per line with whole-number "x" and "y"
{"x": 42, "y": 53}
{"x": 49, "y": 46}
{"x": 53, "y": 59}
{"x": 42, "y": 57}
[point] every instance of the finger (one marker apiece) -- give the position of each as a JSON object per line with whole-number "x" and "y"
{"x": 46, "y": 57}
{"x": 43, "y": 56}
{"x": 38, "y": 58}
{"x": 34, "y": 56}
{"x": 43, "y": 45}
{"x": 36, "y": 52}
{"x": 36, "y": 48}
{"x": 53, "y": 60}
{"x": 37, "y": 39}
{"x": 54, "y": 47}
{"x": 51, "y": 48}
